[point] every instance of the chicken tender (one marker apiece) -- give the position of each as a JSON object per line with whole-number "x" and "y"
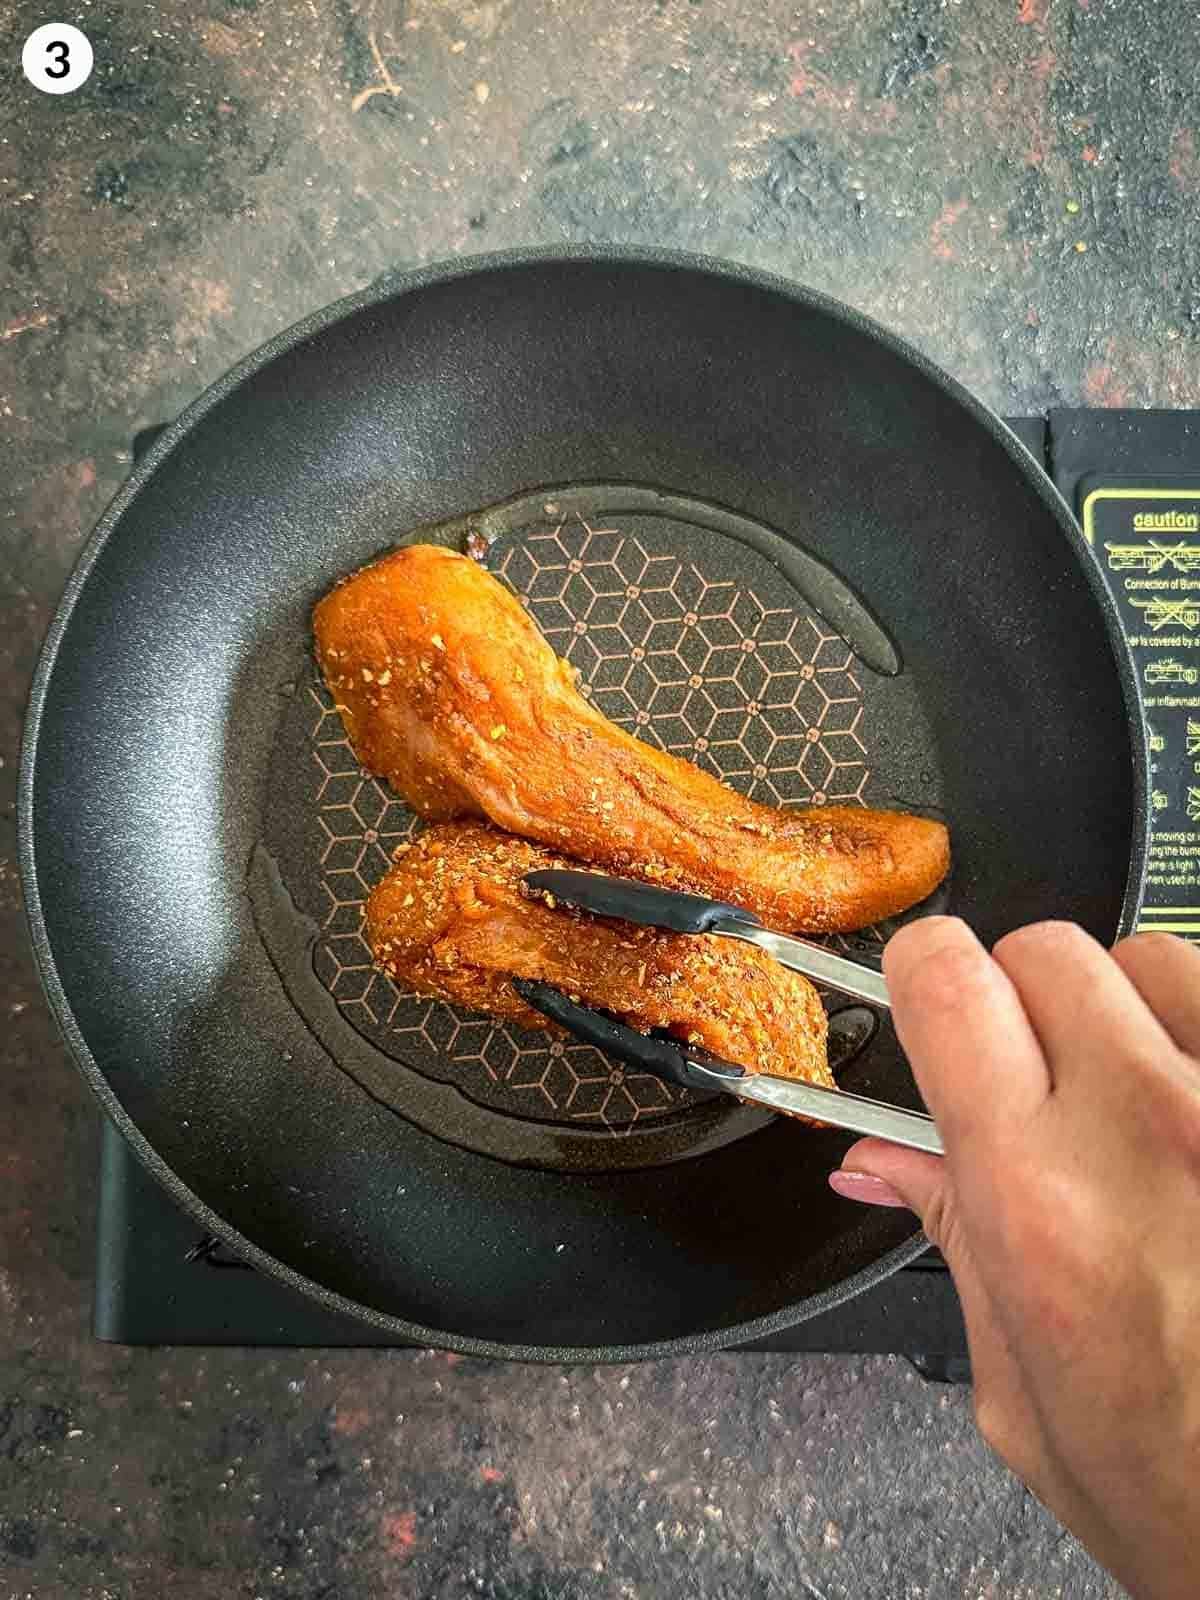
{"x": 451, "y": 919}
{"x": 447, "y": 689}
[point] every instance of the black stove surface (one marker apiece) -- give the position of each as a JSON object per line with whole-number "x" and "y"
{"x": 1133, "y": 477}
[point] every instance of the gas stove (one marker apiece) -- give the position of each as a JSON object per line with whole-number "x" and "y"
{"x": 1133, "y": 478}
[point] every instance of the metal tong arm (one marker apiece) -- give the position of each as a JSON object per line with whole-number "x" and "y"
{"x": 696, "y": 1069}
{"x": 841, "y": 1109}
{"x": 814, "y": 961}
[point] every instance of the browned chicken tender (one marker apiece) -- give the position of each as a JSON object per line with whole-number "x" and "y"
{"x": 447, "y": 689}
{"x": 450, "y": 919}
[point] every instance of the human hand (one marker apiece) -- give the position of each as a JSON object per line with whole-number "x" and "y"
{"x": 1066, "y": 1084}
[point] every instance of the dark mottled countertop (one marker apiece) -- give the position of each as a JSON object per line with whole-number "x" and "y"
{"x": 1014, "y": 186}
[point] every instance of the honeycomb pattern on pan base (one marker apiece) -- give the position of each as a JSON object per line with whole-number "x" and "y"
{"x": 764, "y": 696}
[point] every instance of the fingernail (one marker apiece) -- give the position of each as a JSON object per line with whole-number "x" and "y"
{"x": 864, "y": 1186}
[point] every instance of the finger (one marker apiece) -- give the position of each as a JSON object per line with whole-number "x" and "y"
{"x": 882, "y": 1174}
{"x": 1081, "y": 1005}
{"x": 973, "y": 1053}
{"x": 867, "y": 1189}
{"x": 1165, "y": 971}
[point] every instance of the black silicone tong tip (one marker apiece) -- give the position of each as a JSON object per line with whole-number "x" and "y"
{"x": 638, "y": 902}
{"x": 642, "y": 1051}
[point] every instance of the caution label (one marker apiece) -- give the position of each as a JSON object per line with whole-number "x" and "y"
{"x": 1147, "y": 539}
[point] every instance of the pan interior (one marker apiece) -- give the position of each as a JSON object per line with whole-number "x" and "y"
{"x": 181, "y": 653}
{"x": 708, "y": 636}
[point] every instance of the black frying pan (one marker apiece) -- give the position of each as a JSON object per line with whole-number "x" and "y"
{"x": 193, "y": 831}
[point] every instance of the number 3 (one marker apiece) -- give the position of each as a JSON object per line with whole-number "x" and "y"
{"x": 63, "y": 58}
{"x": 56, "y": 58}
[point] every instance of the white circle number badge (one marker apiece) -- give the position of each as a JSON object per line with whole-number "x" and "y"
{"x": 57, "y": 58}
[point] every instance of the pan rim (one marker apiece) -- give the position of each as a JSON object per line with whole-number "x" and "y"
{"x": 709, "y": 1340}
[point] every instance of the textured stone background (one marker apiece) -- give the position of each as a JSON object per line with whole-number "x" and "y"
{"x": 1014, "y": 185}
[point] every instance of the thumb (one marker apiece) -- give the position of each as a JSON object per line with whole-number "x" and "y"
{"x": 883, "y": 1174}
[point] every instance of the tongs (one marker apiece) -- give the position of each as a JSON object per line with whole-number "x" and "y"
{"x": 676, "y": 1062}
